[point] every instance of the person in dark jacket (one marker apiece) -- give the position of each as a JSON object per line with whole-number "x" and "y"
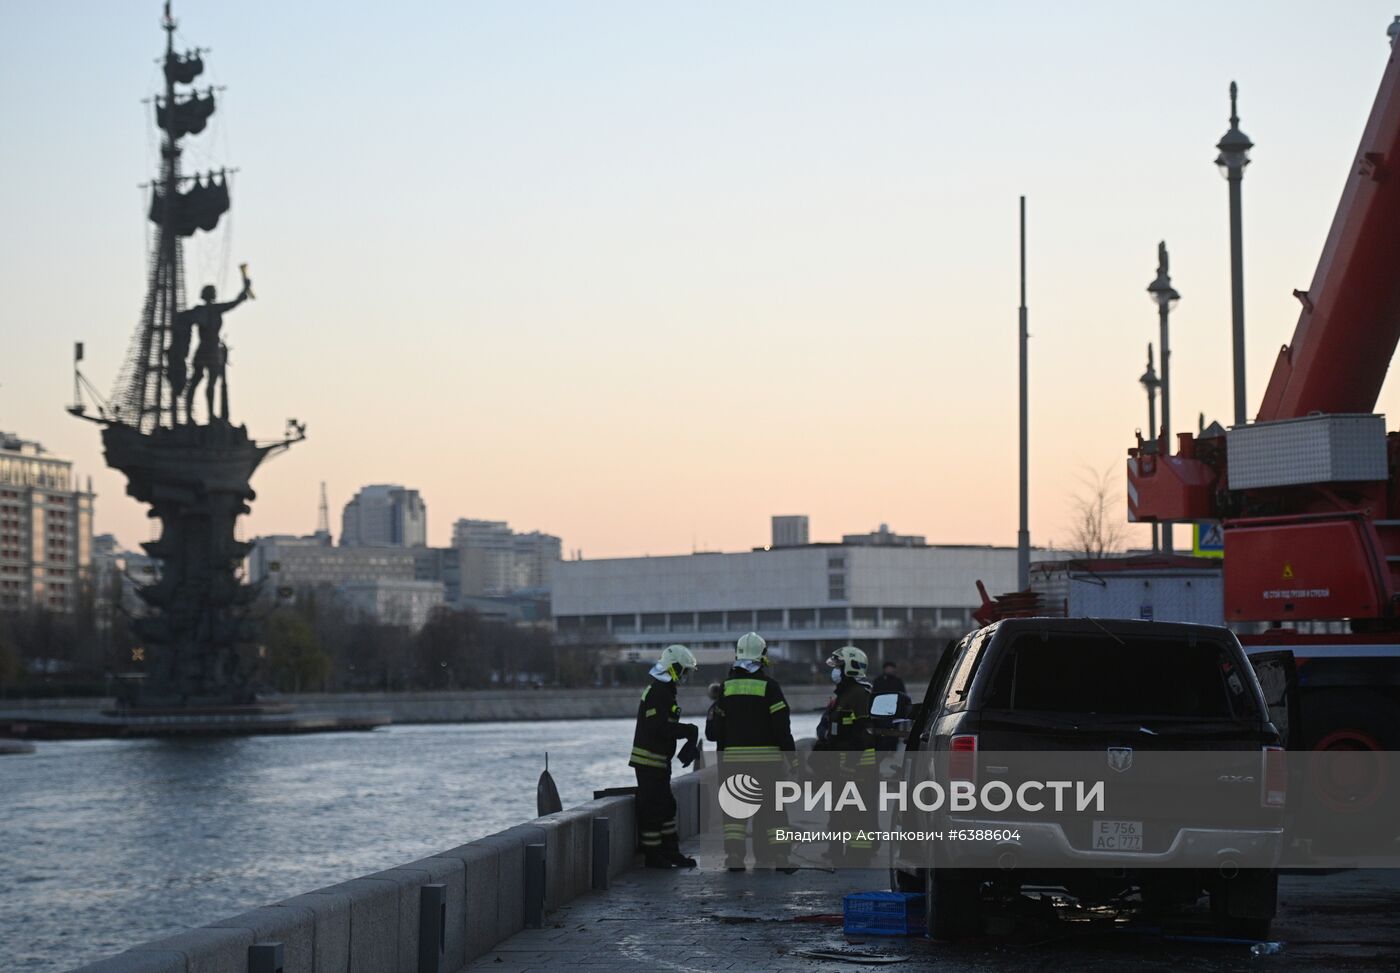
{"x": 751, "y": 725}
{"x": 887, "y": 682}
{"x": 711, "y": 728}
{"x": 659, "y": 726}
{"x": 845, "y": 728}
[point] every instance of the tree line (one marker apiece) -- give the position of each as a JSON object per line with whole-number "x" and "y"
{"x": 315, "y": 643}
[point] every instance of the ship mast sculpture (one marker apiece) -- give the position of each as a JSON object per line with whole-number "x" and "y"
{"x": 199, "y": 636}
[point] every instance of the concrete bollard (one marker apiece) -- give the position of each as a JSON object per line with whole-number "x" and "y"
{"x": 534, "y": 886}
{"x": 602, "y": 853}
{"x": 432, "y": 928}
{"x": 265, "y": 958}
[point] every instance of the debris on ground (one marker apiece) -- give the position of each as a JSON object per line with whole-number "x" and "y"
{"x": 846, "y": 954}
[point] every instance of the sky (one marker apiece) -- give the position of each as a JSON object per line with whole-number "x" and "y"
{"x": 642, "y": 274}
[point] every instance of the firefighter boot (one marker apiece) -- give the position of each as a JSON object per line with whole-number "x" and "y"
{"x": 657, "y": 858}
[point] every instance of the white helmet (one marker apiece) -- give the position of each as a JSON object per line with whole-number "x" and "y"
{"x": 751, "y": 648}
{"x": 850, "y": 660}
{"x": 678, "y": 661}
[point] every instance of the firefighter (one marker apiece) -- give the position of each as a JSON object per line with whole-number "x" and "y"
{"x": 845, "y": 729}
{"x": 659, "y": 726}
{"x": 751, "y": 727}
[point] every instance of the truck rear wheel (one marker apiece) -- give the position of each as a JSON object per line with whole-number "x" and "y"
{"x": 953, "y": 903}
{"x": 1351, "y": 787}
{"x": 1243, "y": 907}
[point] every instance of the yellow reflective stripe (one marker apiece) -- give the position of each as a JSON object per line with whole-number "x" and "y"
{"x": 645, "y": 691}
{"x": 651, "y": 712}
{"x": 779, "y": 705}
{"x": 745, "y": 687}
{"x": 646, "y": 758}
{"x": 848, "y": 720}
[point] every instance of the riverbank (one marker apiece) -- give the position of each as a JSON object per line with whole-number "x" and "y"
{"x": 467, "y": 706}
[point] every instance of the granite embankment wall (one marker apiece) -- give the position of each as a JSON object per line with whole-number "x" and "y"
{"x": 487, "y": 705}
{"x": 429, "y": 916}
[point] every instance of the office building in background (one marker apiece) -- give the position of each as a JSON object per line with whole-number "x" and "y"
{"x": 385, "y": 515}
{"x": 790, "y": 531}
{"x": 45, "y": 528}
{"x": 495, "y": 560}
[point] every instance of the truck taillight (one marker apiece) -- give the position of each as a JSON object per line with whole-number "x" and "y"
{"x": 962, "y": 758}
{"x": 1275, "y": 777}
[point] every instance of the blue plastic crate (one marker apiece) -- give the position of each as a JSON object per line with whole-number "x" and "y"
{"x": 884, "y": 913}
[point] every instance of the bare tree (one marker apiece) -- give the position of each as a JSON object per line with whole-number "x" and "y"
{"x": 1098, "y": 528}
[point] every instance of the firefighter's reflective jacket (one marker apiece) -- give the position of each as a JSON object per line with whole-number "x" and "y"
{"x": 658, "y": 726}
{"x": 845, "y": 725}
{"x": 751, "y": 721}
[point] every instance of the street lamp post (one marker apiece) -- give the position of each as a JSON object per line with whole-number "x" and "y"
{"x": 1165, "y": 297}
{"x": 1150, "y": 382}
{"x": 1234, "y": 149}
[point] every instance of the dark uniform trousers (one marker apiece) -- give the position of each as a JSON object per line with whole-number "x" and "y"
{"x": 656, "y": 808}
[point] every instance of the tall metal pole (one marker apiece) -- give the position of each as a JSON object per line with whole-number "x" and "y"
{"x": 1023, "y": 536}
{"x": 1166, "y": 297}
{"x": 1234, "y": 149}
{"x": 1150, "y": 382}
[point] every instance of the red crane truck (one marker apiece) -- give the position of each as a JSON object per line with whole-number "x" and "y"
{"x": 1309, "y": 493}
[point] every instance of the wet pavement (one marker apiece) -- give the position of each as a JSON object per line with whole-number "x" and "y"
{"x": 711, "y": 919}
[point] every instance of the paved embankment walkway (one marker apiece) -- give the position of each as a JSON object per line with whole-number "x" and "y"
{"x": 711, "y": 919}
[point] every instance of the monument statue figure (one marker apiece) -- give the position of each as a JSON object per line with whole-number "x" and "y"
{"x": 207, "y": 319}
{"x": 199, "y": 632}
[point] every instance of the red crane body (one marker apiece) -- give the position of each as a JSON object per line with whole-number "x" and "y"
{"x": 1350, "y": 323}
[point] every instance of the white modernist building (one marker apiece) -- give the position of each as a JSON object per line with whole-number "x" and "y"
{"x": 805, "y": 600}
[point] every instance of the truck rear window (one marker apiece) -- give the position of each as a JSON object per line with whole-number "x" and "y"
{"x": 1129, "y": 677}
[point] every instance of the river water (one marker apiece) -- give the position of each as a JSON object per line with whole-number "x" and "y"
{"x": 106, "y": 844}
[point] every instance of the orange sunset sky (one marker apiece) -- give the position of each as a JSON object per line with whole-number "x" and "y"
{"x": 642, "y": 275}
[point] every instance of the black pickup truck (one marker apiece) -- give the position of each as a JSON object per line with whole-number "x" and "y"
{"x": 1099, "y": 691}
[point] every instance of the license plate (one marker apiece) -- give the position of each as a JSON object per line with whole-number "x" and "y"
{"x": 1118, "y": 836}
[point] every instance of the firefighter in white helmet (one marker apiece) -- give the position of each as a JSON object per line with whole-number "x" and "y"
{"x": 845, "y": 729}
{"x": 750, "y": 725}
{"x": 659, "y": 726}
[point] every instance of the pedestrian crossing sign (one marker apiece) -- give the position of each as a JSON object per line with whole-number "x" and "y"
{"x": 1208, "y": 539}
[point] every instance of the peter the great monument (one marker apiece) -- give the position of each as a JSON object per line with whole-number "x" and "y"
{"x": 197, "y": 667}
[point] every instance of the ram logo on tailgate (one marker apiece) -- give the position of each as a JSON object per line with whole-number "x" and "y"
{"x": 1120, "y": 758}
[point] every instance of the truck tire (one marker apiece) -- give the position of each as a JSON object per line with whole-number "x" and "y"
{"x": 1243, "y": 907}
{"x": 1353, "y": 719}
{"x": 1352, "y": 784}
{"x": 953, "y": 903}
{"x": 902, "y": 881}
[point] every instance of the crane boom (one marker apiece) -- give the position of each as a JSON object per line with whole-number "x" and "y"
{"x": 1350, "y": 322}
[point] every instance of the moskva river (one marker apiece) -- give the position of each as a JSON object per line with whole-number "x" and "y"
{"x": 106, "y": 844}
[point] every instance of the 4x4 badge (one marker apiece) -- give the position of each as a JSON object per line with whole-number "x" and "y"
{"x": 1120, "y": 758}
